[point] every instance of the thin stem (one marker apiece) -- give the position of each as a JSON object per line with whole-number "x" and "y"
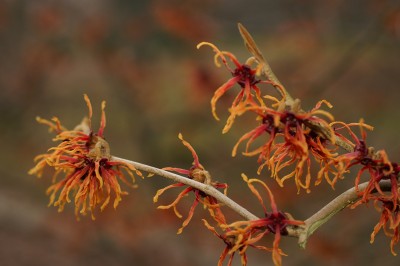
{"x": 209, "y": 190}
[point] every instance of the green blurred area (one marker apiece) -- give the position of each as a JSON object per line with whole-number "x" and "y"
{"x": 141, "y": 57}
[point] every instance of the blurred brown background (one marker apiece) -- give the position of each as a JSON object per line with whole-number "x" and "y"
{"x": 140, "y": 57}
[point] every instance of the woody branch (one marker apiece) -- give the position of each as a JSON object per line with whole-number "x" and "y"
{"x": 303, "y": 232}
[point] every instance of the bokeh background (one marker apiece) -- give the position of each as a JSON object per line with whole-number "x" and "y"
{"x": 140, "y": 57}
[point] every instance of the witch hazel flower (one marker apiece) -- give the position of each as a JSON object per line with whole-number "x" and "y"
{"x": 240, "y": 235}
{"x": 379, "y": 168}
{"x": 389, "y": 221}
{"x": 83, "y": 167}
{"x": 243, "y": 75}
{"x": 198, "y": 173}
{"x": 360, "y": 150}
{"x": 291, "y": 141}
{"x": 373, "y": 164}
{"x": 236, "y": 241}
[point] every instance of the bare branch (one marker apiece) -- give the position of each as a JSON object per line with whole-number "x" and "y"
{"x": 342, "y": 201}
{"x": 209, "y": 190}
{"x": 302, "y": 232}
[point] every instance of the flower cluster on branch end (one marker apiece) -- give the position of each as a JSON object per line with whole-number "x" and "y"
{"x": 82, "y": 166}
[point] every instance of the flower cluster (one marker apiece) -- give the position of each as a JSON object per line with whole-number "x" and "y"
{"x": 292, "y": 134}
{"x": 83, "y": 167}
{"x": 291, "y": 138}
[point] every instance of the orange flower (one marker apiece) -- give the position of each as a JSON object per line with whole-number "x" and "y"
{"x": 291, "y": 141}
{"x": 240, "y": 235}
{"x": 269, "y": 123}
{"x": 389, "y": 221}
{"x": 344, "y": 161}
{"x": 83, "y": 159}
{"x": 379, "y": 168}
{"x": 376, "y": 164}
{"x": 245, "y": 77}
{"x": 300, "y": 140}
{"x": 236, "y": 241}
{"x": 197, "y": 173}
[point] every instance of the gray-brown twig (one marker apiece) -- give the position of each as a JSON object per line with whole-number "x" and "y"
{"x": 301, "y": 232}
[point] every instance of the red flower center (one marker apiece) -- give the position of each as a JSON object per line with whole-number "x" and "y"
{"x": 245, "y": 74}
{"x": 276, "y": 220}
